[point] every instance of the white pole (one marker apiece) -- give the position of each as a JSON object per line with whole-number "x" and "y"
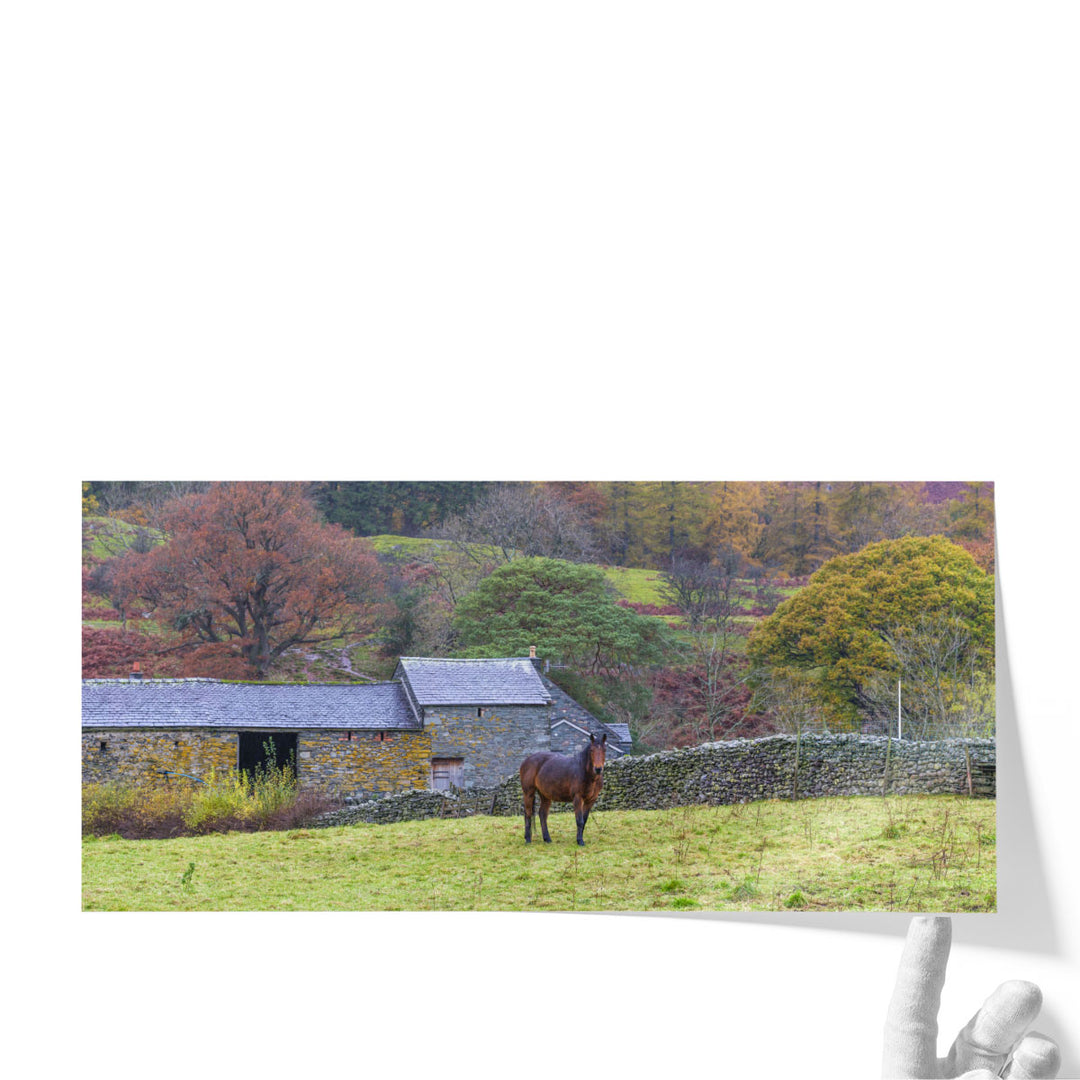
{"x": 899, "y": 712}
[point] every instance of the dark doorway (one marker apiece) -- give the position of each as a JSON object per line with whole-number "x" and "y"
{"x": 260, "y": 750}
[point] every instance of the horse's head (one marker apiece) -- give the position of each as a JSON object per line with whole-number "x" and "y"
{"x": 595, "y": 753}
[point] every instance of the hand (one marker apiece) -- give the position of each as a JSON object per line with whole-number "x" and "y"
{"x": 992, "y": 1044}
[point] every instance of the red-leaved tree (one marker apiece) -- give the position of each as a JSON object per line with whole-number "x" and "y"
{"x": 248, "y": 571}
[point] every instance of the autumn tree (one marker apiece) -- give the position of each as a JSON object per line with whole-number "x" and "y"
{"x": 706, "y": 591}
{"x": 567, "y": 610}
{"x": 865, "y": 512}
{"x": 140, "y": 500}
{"x": 248, "y": 571}
{"x": 90, "y": 503}
{"x": 797, "y": 536}
{"x": 647, "y": 520}
{"x": 942, "y": 685}
{"x": 735, "y": 518}
{"x": 420, "y": 619}
{"x": 839, "y": 627}
{"x": 514, "y": 520}
{"x": 971, "y": 515}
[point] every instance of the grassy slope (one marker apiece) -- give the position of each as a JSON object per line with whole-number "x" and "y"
{"x": 638, "y": 585}
{"x": 918, "y": 853}
{"x": 109, "y": 536}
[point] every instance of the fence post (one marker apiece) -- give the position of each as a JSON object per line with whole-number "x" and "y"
{"x": 888, "y": 760}
{"x": 795, "y": 778}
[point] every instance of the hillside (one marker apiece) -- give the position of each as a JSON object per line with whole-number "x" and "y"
{"x": 342, "y": 660}
{"x": 408, "y": 595}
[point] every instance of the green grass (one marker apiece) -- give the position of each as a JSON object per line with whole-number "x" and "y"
{"x": 917, "y": 853}
{"x": 637, "y": 585}
{"x": 109, "y": 536}
{"x": 413, "y": 547}
{"x": 404, "y": 546}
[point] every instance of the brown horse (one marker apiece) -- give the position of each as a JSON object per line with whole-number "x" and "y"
{"x": 559, "y": 778}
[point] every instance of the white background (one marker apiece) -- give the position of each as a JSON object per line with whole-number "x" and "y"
{"x": 569, "y": 240}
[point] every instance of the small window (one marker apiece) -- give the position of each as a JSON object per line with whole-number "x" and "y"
{"x": 103, "y": 747}
{"x": 479, "y": 712}
{"x": 446, "y": 773}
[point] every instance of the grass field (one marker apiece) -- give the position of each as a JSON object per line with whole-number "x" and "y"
{"x": 915, "y": 853}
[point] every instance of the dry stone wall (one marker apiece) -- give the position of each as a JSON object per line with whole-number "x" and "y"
{"x": 740, "y": 770}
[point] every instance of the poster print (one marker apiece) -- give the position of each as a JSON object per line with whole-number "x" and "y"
{"x": 728, "y": 696}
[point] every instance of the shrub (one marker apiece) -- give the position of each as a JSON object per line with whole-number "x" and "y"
{"x": 228, "y": 801}
{"x": 305, "y": 807}
{"x": 219, "y": 805}
{"x": 100, "y": 614}
{"x": 649, "y": 609}
{"x": 135, "y": 813}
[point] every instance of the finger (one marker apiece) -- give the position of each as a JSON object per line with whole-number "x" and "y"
{"x": 1036, "y": 1057}
{"x": 991, "y": 1033}
{"x": 911, "y": 1023}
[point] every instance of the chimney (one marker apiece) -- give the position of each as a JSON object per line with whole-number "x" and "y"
{"x": 136, "y": 674}
{"x": 534, "y": 660}
{"x": 532, "y": 653}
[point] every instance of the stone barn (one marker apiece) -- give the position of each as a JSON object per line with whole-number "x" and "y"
{"x": 439, "y": 723}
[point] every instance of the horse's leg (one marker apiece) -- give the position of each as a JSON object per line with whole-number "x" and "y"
{"x": 545, "y": 805}
{"x": 587, "y": 810}
{"x": 580, "y": 814}
{"x": 529, "y": 793}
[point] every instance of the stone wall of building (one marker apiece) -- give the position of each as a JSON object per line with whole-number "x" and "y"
{"x": 133, "y": 756}
{"x": 741, "y": 770}
{"x": 364, "y": 763}
{"x": 567, "y": 738}
{"x": 493, "y": 744}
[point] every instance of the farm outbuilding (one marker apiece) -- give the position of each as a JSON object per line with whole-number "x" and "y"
{"x": 438, "y": 723}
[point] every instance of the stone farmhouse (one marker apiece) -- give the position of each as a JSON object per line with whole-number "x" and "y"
{"x": 438, "y": 723}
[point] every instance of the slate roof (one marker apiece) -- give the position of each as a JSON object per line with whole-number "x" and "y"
{"x": 566, "y": 708}
{"x": 509, "y": 681}
{"x": 185, "y": 703}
